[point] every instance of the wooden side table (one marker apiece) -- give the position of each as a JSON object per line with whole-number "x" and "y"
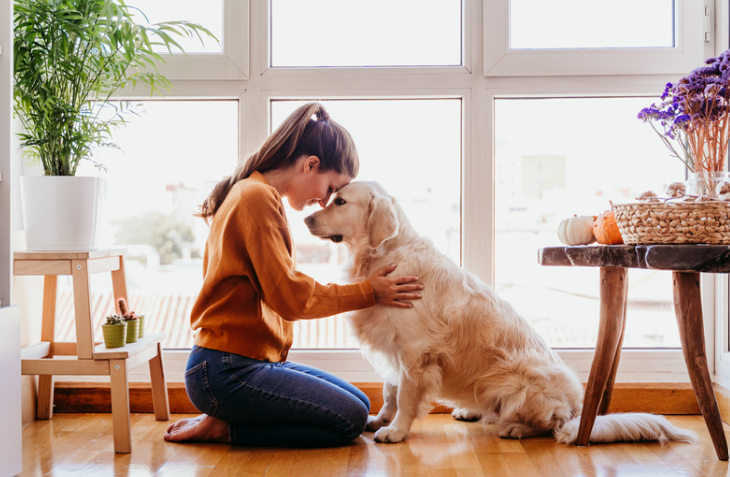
{"x": 84, "y": 356}
{"x": 685, "y": 262}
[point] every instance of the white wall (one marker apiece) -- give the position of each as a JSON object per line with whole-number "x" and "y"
{"x": 10, "y": 397}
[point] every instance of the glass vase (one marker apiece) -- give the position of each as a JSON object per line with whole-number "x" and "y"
{"x": 705, "y": 183}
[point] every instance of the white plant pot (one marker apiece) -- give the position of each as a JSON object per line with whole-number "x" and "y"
{"x": 61, "y": 213}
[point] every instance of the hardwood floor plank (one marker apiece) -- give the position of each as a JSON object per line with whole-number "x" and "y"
{"x": 182, "y": 470}
{"x": 361, "y": 462}
{"x": 701, "y": 457}
{"x": 507, "y": 465}
{"x": 554, "y": 459}
{"x": 458, "y": 458}
{"x": 295, "y": 462}
{"x": 336, "y": 462}
{"x": 439, "y": 446}
{"x": 147, "y": 458}
{"x": 244, "y": 462}
{"x": 85, "y": 462}
{"x": 645, "y": 453}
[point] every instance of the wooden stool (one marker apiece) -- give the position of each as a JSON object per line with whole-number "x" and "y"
{"x": 686, "y": 262}
{"x": 85, "y": 357}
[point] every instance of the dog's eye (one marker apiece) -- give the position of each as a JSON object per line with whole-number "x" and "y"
{"x": 339, "y": 201}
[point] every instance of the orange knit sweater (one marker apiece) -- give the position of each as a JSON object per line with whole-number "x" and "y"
{"x": 251, "y": 290}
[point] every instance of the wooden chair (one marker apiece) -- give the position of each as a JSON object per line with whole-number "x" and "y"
{"x": 85, "y": 357}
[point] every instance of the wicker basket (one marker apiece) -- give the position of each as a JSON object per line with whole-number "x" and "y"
{"x": 674, "y": 222}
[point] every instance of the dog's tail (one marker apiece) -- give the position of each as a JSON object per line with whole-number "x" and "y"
{"x": 627, "y": 427}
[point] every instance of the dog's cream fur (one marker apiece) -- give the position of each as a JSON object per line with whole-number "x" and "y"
{"x": 460, "y": 344}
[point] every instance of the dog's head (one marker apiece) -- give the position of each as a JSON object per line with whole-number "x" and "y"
{"x": 360, "y": 213}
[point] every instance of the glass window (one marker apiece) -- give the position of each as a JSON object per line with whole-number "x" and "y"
{"x": 424, "y": 176}
{"x": 553, "y": 24}
{"x": 311, "y": 33}
{"x": 560, "y": 157}
{"x": 208, "y": 14}
{"x": 170, "y": 157}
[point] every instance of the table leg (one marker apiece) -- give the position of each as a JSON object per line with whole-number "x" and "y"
{"x": 119, "y": 284}
{"x": 48, "y": 327}
{"x": 82, "y": 308}
{"x": 688, "y": 308}
{"x": 120, "y": 406}
{"x": 44, "y": 406}
{"x": 608, "y": 392}
{"x": 160, "y": 399}
{"x": 614, "y": 283}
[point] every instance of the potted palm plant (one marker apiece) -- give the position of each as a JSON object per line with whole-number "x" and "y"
{"x": 70, "y": 58}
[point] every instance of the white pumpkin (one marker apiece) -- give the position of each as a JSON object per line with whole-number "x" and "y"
{"x": 577, "y": 230}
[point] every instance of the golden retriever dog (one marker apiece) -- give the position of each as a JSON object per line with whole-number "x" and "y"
{"x": 460, "y": 344}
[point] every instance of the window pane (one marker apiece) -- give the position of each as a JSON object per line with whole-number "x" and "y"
{"x": 208, "y": 14}
{"x": 581, "y": 153}
{"x": 365, "y": 32}
{"x": 546, "y": 24}
{"x": 424, "y": 176}
{"x": 172, "y": 155}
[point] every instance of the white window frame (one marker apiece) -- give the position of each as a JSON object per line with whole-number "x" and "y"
{"x": 500, "y": 60}
{"x": 476, "y": 84}
{"x": 721, "y": 332}
{"x": 231, "y": 64}
{"x": 721, "y": 338}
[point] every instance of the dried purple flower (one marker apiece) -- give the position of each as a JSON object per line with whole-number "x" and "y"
{"x": 666, "y": 91}
{"x": 681, "y": 119}
{"x": 694, "y": 115}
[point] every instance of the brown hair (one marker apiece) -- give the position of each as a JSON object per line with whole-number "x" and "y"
{"x": 307, "y": 131}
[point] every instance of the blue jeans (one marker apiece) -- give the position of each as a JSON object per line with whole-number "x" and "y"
{"x": 275, "y": 404}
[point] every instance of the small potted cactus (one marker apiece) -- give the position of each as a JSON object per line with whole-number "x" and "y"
{"x": 131, "y": 319}
{"x": 115, "y": 331}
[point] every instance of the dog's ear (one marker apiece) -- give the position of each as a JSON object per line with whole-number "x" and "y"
{"x": 382, "y": 220}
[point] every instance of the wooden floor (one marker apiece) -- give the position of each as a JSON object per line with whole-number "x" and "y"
{"x": 81, "y": 444}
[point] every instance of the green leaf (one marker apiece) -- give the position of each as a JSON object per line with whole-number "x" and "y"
{"x": 69, "y": 54}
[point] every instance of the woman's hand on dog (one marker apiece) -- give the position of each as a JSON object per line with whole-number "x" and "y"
{"x": 394, "y": 291}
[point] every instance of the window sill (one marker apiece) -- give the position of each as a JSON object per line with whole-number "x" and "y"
{"x": 636, "y": 365}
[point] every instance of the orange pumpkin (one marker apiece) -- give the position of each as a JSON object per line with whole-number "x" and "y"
{"x": 605, "y": 229}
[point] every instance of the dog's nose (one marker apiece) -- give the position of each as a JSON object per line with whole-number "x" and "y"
{"x": 309, "y": 220}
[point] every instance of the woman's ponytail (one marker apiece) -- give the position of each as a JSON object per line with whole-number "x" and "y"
{"x": 308, "y": 130}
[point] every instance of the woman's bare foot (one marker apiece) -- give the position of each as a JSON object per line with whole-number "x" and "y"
{"x": 203, "y": 428}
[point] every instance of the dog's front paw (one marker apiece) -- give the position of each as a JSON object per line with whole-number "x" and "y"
{"x": 511, "y": 431}
{"x": 520, "y": 431}
{"x": 375, "y": 423}
{"x": 390, "y": 434}
{"x": 465, "y": 415}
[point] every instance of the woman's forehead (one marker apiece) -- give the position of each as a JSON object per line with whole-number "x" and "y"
{"x": 339, "y": 180}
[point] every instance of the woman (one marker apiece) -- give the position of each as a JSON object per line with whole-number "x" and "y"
{"x": 237, "y": 373}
